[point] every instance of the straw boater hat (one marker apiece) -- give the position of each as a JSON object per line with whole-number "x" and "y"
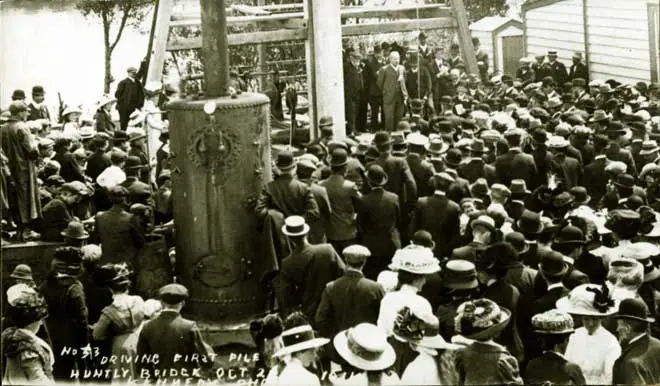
{"x": 481, "y": 319}
{"x": 459, "y": 274}
{"x": 553, "y": 322}
{"x": 295, "y": 226}
{"x": 299, "y": 338}
{"x": 588, "y": 300}
{"x": 415, "y": 259}
{"x": 365, "y": 347}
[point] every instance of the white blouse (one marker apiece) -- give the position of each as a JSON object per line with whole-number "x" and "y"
{"x": 595, "y": 354}
{"x": 393, "y": 302}
{"x": 294, "y": 374}
{"x": 423, "y": 370}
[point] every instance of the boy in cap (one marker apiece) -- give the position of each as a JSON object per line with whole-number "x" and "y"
{"x": 173, "y": 338}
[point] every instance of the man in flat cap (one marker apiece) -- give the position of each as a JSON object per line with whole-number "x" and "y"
{"x": 174, "y": 339}
{"x": 22, "y": 154}
{"x": 130, "y": 96}
{"x": 351, "y": 299}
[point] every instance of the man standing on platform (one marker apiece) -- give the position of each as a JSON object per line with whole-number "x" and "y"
{"x": 557, "y": 69}
{"x": 22, "y": 154}
{"x": 482, "y": 59}
{"x": 374, "y": 95}
{"x": 130, "y": 96}
{"x": 353, "y": 92}
{"x": 391, "y": 81}
{"x": 578, "y": 69}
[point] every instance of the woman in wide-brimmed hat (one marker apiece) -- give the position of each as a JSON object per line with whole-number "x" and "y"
{"x": 553, "y": 329}
{"x": 367, "y": 355}
{"x": 483, "y": 361}
{"x": 103, "y": 118}
{"x": 299, "y": 351}
{"x": 28, "y": 358}
{"x": 120, "y": 322}
{"x": 433, "y": 364}
{"x": 591, "y": 346}
{"x": 70, "y": 126}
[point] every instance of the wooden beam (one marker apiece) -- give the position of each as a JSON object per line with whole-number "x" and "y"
{"x": 405, "y": 12}
{"x": 301, "y": 33}
{"x": 465, "y": 37}
{"x": 158, "y": 43}
{"x": 397, "y": 26}
{"x": 249, "y": 10}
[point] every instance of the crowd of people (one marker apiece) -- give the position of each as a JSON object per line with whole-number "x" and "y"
{"x": 488, "y": 230}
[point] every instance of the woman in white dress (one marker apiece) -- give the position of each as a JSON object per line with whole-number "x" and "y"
{"x": 591, "y": 346}
{"x": 299, "y": 352}
{"x": 369, "y": 357}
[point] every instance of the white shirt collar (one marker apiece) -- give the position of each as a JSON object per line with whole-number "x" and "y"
{"x": 555, "y": 285}
{"x": 635, "y": 339}
{"x": 439, "y": 193}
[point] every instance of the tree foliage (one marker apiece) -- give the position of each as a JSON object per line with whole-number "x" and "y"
{"x": 478, "y": 9}
{"x": 115, "y": 16}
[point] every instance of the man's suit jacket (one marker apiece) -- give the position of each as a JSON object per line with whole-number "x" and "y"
{"x": 130, "y": 95}
{"x": 370, "y": 76}
{"x": 348, "y": 301}
{"x": 120, "y": 234}
{"x": 568, "y": 169}
{"x": 170, "y": 335}
{"x": 526, "y": 76}
{"x": 558, "y": 72}
{"x": 639, "y": 363}
{"x": 586, "y": 151}
{"x": 530, "y": 307}
{"x": 400, "y": 180}
{"x": 477, "y": 168}
{"x": 353, "y": 82}
{"x": 579, "y": 70}
{"x": 572, "y": 152}
{"x": 37, "y": 112}
{"x": 388, "y": 81}
{"x": 441, "y": 84}
{"x": 422, "y": 171}
{"x": 288, "y": 196}
{"x": 594, "y": 179}
{"x": 378, "y": 217}
{"x": 521, "y": 277}
{"x": 303, "y": 277}
{"x": 317, "y": 228}
{"x": 439, "y": 216}
{"x": 418, "y": 83}
{"x": 626, "y": 157}
{"x": 543, "y": 160}
{"x": 515, "y": 165}
{"x": 344, "y": 196}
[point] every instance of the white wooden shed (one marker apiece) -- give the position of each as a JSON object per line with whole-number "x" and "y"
{"x": 619, "y": 39}
{"x": 502, "y": 39}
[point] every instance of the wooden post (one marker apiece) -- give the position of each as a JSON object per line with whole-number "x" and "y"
{"x": 328, "y": 76}
{"x": 215, "y": 53}
{"x": 158, "y": 42}
{"x": 309, "y": 67}
{"x": 464, "y": 37}
{"x": 261, "y": 52}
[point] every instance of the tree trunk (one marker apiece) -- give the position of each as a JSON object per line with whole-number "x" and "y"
{"x": 108, "y": 70}
{"x": 107, "y": 62}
